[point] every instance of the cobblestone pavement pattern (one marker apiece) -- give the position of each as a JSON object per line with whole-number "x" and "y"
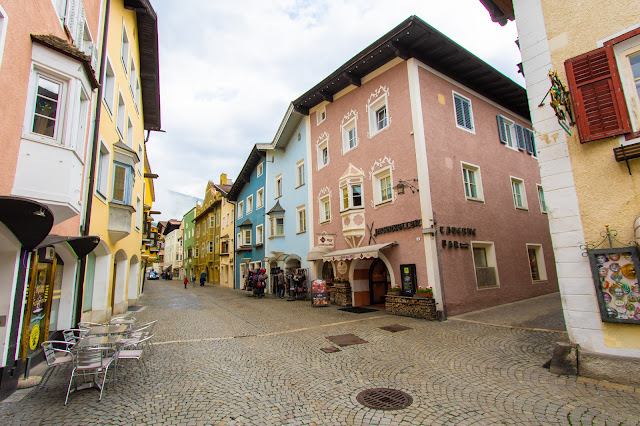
{"x": 223, "y": 358}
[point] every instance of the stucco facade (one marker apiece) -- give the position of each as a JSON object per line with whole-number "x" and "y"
{"x": 189, "y": 243}
{"x": 227, "y": 231}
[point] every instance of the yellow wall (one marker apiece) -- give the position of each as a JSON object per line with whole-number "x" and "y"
{"x": 607, "y": 193}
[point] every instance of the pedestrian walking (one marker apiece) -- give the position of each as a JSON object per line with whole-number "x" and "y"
{"x": 186, "y": 281}
{"x": 281, "y": 284}
{"x": 193, "y": 279}
{"x": 203, "y": 278}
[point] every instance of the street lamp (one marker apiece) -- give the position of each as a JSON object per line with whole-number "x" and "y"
{"x": 404, "y": 183}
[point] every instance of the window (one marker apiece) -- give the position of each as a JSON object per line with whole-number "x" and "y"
{"x": 301, "y": 213}
{"x": 543, "y": 204}
{"x": 325, "y": 209}
{"x": 382, "y": 187}
{"x": 484, "y": 263}
{"x": 300, "y": 173}
{"x": 249, "y": 204}
{"x": 197, "y": 230}
{"x": 537, "y": 266}
{"x": 109, "y": 87}
{"x": 519, "y": 195}
{"x": 104, "y": 161}
{"x": 138, "y": 213}
{"x": 472, "y": 182}
{"x": 278, "y": 186}
{"x": 240, "y": 209}
{"x": 259, "y": 234}
{"x": 351, "y": 196}
{"x": 122, "y": 185}
{"x": 122, "y": 112}
{"x": 246, "y": 237}
{"x": 260, "y": 199}
{"x": 3, "y": 31}
{"x": 277, "y": 226}
{"x": 321, "y": 115}
{"x": 47, "y": 107}
{"x": 133, "y": 79}
{"x": 349, "y": 135}
{"x": 210, "y": 247}
{"x": 260, "y": 169}
{"x": 239, "y": 239}
{"x": 464, "y": 114}
{"x": 378, "y": 115}
{"x": 507, "y": 131}
{"x": 130, "y": 133}
{"x": 323, "y": 153}
{"x": 141, "y": 157}
{"x": 124, "y": 52}
{"x": 212, "y": 221}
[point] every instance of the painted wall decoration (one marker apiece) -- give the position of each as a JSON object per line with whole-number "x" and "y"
{"x": 616, "y": 281}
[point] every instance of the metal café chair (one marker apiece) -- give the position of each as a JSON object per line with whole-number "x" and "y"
{"x": 55, "y": 358}
{"x": 136, "y": 354}
{"x": 71, "y": 337}
{"x": 91, "y": 362}
{"x": 140, "y": 332}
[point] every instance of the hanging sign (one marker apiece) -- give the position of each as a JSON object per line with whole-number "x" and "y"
{"x": 326, "y": 241}
{"x": 319, "y": 293}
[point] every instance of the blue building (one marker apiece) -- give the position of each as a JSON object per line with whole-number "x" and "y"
{"x": 288, "y": 226}
{"x": 248, "y": 195}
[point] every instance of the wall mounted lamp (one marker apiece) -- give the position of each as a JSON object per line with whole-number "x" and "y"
{"x": 406, "y": 183}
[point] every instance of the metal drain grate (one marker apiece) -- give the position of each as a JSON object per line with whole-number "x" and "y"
{"x": 384, "y": 399}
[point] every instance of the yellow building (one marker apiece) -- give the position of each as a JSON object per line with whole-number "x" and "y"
{"x": 207, "y": 236}
{"x": 587, "y": 123}
{"x": 130, "y": 104}
{"x": 149, "y": 249}
{"x": 227, "y": 230}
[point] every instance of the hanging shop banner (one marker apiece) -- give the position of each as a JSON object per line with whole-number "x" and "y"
{"x": 616, "y": 281}
{"x": 319, "y": 293}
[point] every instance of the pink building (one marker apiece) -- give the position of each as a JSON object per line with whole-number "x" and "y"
{"x": 424, "y": 174}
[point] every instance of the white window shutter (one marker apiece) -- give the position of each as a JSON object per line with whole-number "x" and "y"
{"x": 71, "y": 18}
{"x": 94, "y": 58}
{"x": 79, "y": 35}
{"x": 520, "y": 137}
{"x": 502, "y": 130}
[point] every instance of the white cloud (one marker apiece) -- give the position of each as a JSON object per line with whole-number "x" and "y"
{"x": 228, "y": 71}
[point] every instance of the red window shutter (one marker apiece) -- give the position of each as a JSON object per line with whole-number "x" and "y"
{"x": 596, "y": 94}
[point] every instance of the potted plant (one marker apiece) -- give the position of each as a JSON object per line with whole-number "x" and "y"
{"x": 424, "y": 293}
{"x": 394, "y": 291}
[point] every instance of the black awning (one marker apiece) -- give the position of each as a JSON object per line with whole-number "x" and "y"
{"x": 246, "y": 223}
{"x": 28, "y": 220}
{"x": 81, "y": 246}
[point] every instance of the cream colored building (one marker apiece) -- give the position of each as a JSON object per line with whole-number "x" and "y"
{"x": 227, "y": 227}
{"x": 590, "y": 170}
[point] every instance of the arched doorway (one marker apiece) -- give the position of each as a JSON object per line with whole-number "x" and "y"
{"x": 134, "y": 267}
{"x": 378, "y": 282}
{"x": 119, "y": 283}
{"x": 327, "y": 272}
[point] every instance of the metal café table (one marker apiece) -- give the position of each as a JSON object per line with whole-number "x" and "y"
{"x": 108, "y": 329}
{"x": 124, "y": 321}
{"x": 89, "y": 342}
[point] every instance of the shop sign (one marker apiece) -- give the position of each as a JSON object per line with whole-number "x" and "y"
{"x": 409, "y": 279}
{"x": 454, "y": 230}
{"x": 319, "y": 293}
{"x": 398, "y": 227}
{"x": 342, "y": 267}
{"x": 326, "y": 241}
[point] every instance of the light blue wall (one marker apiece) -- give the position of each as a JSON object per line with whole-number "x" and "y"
{"x": 284, "y": 162}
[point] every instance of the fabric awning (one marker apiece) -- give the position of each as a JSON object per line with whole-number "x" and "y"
{"x": 81, "y": 246}
{"x": 28, "y": 220}
{"x": 366, "y": 252}
{"x": 317, "y": 253}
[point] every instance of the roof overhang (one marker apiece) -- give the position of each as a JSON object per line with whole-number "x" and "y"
{"x": 28, "y": 220}
{"x": 414, "y": 38}
{"x": 501, "y": 11}
{"x": 255, "y": 156}
{"x": 64, "y": 47}
{"x": 366, "y": 252}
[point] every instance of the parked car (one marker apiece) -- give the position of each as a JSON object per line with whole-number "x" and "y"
{"x": 153, "y": 275}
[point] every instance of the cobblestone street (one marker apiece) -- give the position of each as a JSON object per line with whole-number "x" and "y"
{"x": 221, "y": 357}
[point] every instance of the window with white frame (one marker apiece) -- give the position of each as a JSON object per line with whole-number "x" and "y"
{"x": 382, "y": 186}
{"x": 484, "y": 263}
{"x": 104, "y": 162}
{"x": 129, "y": 133}
{"x": 537, "y": 266}
{"x": 463, "y": 111}
{"x": 138, "y": 213}
{"x": 48, "y": 109}
{"x": 109, "y": 89}
{"x": 277, "y": 226}
{"x": 212, "y": 221}
{"x": 259, "y": 234}
{"x": 122, "y": 114}
{"x": 299, "y": 173}
{"x": 323, "y": 153}
{"x": 278, "y": 191}
{"x": 378, "y": 115}
{"x": 239, "y": 239}
{"x": 3, "y": 31}
{"x": 472, "y": 182}
{"x": 124, "y": 52}
{"x": 260, "y": 198}
{"x": 246, "y": 237}
{"x": 543, "y": 204}
{"x": 349, "y": 135}
{"x": 78, "y": 141}
{"x": 325, "y": 209}
{"x": 249, "y": 204}
{"x": 260, "y": 169}
{"x": 122, "y": 185}
{"x": 141, "y": 157}
{"x": 519, "y": 194}
{"x": 301, "y": 223}
{"x": 132, "y": 77}
{"x": 351, "y": 196}
{"x": 240, "y": 209}
{"x": 511, "y": 134}
{"x": 321, "y": 115}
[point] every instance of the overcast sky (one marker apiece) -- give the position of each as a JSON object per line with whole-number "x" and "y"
{"x": 228, "y": 71}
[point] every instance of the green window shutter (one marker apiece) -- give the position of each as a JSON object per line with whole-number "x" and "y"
{"x": 459, "y": 111}
{"x": 520, "y": 137}
{"x": 530, "y": 142}
{"x": 502, "y": 129}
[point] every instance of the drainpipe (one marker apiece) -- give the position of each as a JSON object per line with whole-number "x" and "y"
{"x": 92, "y": 167}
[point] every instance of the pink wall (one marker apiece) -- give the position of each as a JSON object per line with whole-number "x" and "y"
{"x": 396, "y": 143}
{"x": 495, "y": 220}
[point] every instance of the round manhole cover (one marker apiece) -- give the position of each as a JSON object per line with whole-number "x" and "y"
{"x": 384, "y": 399}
